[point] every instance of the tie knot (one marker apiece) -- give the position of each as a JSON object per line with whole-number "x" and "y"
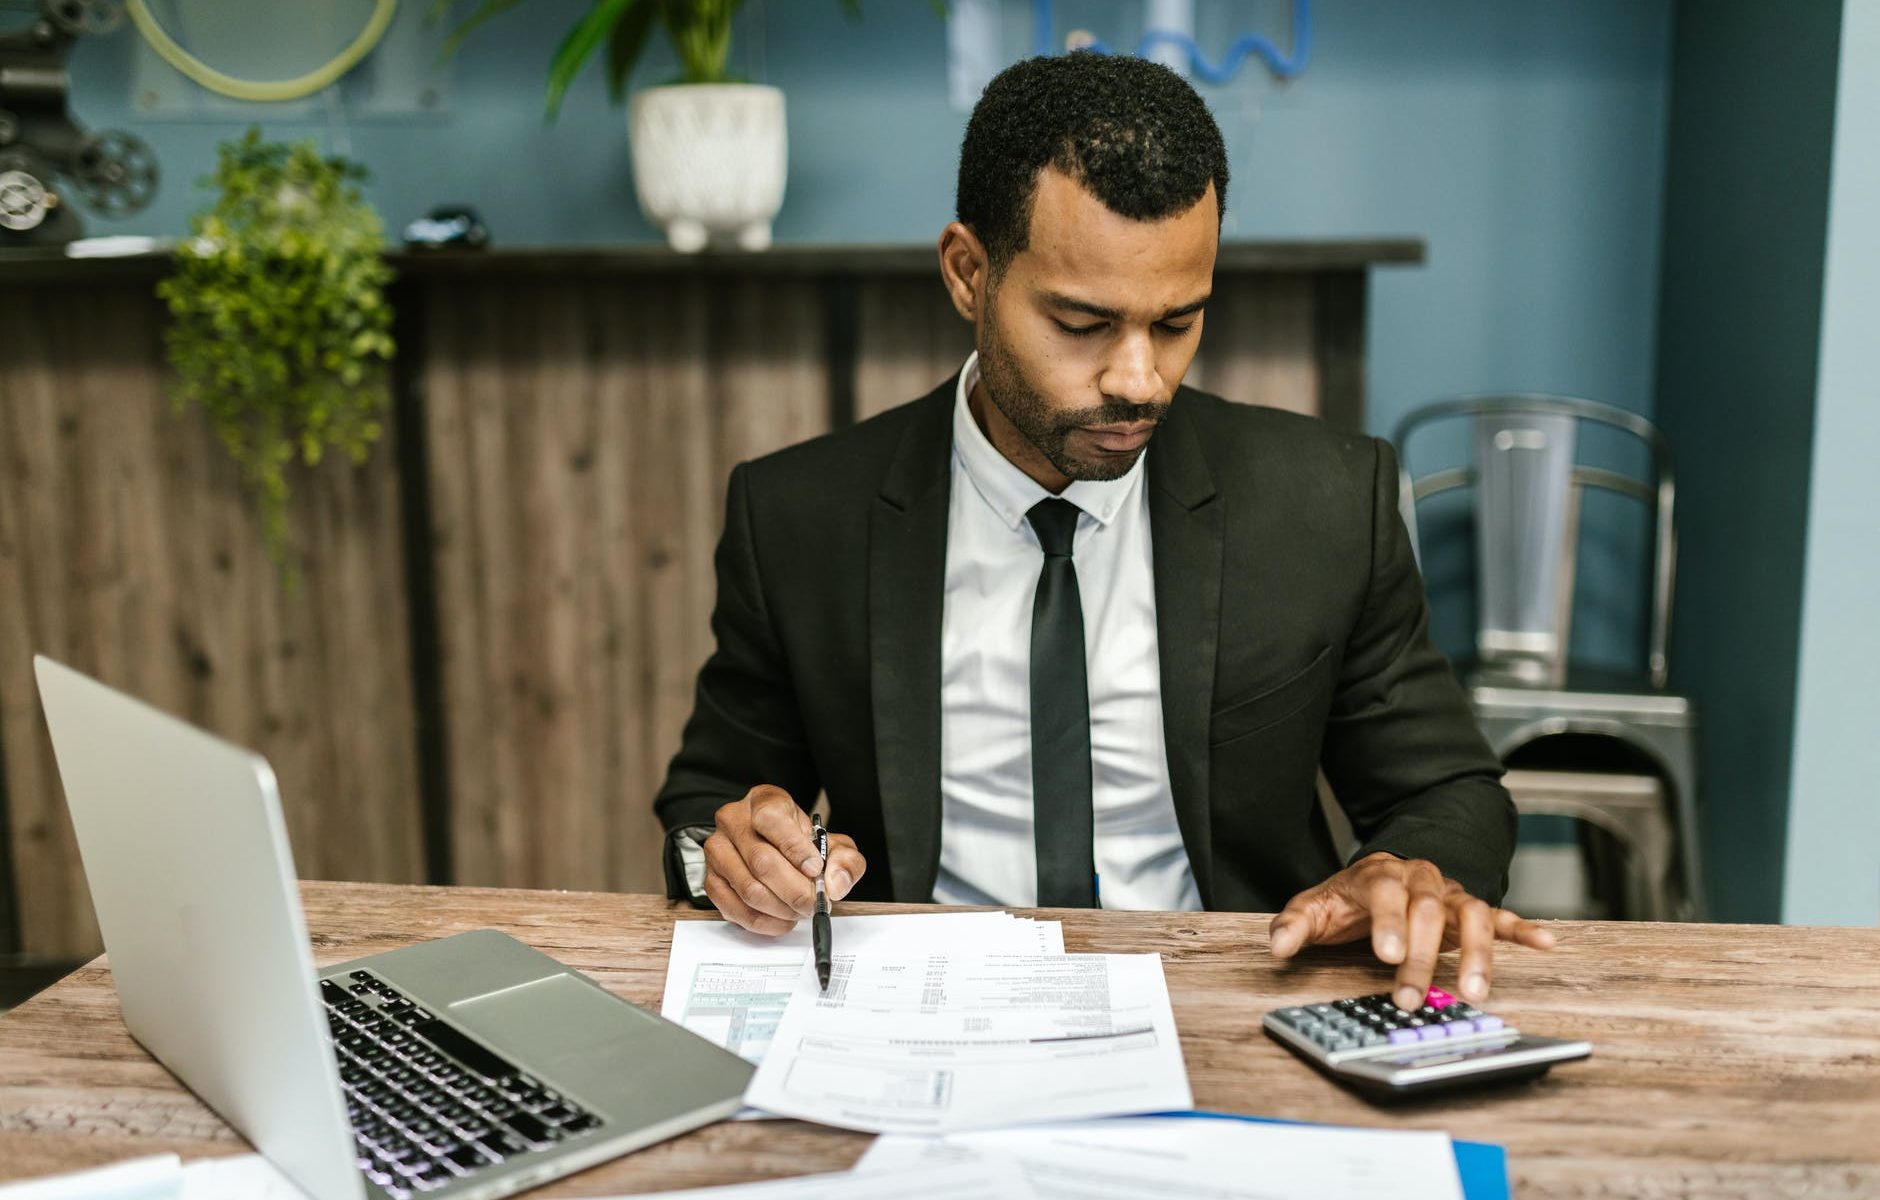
{"x": 1055, "y": 521}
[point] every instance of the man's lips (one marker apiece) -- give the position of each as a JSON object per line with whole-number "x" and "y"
{"x": 1120, "y": 438}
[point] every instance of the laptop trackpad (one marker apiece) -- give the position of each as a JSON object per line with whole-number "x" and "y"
{"x": 560, "y": 1019}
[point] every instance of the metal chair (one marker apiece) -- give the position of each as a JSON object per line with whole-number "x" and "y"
{"x": 1528, "y": 486}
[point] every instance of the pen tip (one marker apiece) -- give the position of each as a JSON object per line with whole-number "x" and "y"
{"x": 822, "y": 976}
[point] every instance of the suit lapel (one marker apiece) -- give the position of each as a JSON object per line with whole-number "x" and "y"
{"x": 907, "y": 541}
{"x": 1186, "y": 536}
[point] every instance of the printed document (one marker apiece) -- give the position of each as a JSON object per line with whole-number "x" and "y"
{"x": 1198, "y": 1158}
{"x": 976, "y": 1179}
{"x": 166, "y": 1177}
{"x": 730, "y": 986}
{"x": 944, "y": 1041}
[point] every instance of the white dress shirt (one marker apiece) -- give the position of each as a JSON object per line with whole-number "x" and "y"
{"x": 993, "y": 562}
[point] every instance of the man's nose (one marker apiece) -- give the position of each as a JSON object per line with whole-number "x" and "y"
{"x": 1129, "y": 374}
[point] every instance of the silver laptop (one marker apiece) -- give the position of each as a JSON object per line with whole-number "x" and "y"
{"x": 471, "y": 1066}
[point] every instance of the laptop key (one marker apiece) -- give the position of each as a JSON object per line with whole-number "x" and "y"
{"x": 471, "y": 1054}
{"x": 501, "y": 1143}
{"x": 530, "y": 1129}
{"x": 466, "y": 1158}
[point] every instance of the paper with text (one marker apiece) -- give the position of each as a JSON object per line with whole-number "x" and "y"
{"x": 978, "y": 1179}
{"x": 730, "y": 986}
{"x": 164, "y": 1177}
{"x": 1176, "y": 1158}
{"x": 946, "y": 1041}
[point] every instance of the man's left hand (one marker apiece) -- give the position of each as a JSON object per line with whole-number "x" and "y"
{"x": 1413, "y": 913}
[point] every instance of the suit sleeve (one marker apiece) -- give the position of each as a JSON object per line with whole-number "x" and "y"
{"x": 745, "y": 728}
{"x": 1402, "y": 751}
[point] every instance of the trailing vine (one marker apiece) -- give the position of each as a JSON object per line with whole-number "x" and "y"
{"x": 280, "y": 330}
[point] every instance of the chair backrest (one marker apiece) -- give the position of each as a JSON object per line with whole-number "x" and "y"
{"x": 1528, "y": 483}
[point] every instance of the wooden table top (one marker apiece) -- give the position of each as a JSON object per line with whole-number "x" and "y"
{"x": 1729, "y": 1060}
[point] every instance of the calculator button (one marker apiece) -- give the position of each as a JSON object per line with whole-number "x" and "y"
{"x": 1438, "y": 998}
{"x": 1460, "y": 1028}
{"x": 1431, "y": 1033}
{"x": 1487, "y": 1024}
{"x": 1400, "y": 1037}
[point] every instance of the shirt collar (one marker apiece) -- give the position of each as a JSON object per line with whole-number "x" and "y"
{"x": 1010, "y": 491}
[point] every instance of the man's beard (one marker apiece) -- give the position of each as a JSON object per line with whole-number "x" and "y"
{"x": 1049, "y": 431}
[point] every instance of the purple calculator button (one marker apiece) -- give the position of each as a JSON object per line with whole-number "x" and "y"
{"x": 1487, "y": 1024}
{"x": 1399, "y": 1037}
{"x": 1431, "y": 1033}
{"x": 1461, "y": 1028}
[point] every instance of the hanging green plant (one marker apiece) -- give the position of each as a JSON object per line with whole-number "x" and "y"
{"x": 280, "y": 330}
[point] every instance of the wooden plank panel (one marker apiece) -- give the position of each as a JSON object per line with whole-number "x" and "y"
{"x": 580, "y": 438}
{"x": 909, "y": 339}
{"x": 1258, "y": 345}
{"x": 128, "y": 549}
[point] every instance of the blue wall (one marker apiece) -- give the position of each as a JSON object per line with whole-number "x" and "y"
{"x": 1834, "y": 825}
{"x": 1524, "y": 141}
{"x": 1753, "y": 89}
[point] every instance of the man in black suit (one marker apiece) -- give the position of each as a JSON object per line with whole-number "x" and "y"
{"x": 1064, "y": 632}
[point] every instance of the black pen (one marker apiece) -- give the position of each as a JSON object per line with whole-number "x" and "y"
{"x": 819, "y": 924}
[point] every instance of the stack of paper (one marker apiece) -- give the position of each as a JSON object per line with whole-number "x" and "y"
{"x": 1152, "y": 1158}
{"x": 167, "y": 1177}
{"x": 974, "y": 1179}
{"x": 971, "y": 1040}
{"x": 1136, "y": 1158}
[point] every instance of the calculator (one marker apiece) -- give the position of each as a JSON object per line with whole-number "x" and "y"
{"x": 1375, "y": 1048}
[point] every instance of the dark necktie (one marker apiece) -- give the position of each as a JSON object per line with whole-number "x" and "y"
{"x": 1062, "y": 824}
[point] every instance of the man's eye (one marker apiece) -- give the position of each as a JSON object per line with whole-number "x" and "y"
{"x": 1176, "y": 329}
{"x": 1079, "y": 330}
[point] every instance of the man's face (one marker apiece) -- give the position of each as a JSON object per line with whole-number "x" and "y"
{"x": 1089, "y": 330}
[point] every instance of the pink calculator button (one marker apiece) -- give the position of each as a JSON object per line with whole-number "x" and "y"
{"x": 1438, "y": 998}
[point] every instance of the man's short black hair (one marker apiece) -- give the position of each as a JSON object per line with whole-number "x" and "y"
{"x": 1131, "y": 131}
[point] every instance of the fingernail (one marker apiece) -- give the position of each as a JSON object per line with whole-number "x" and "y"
{"x": 811, "y": 866}
{"x": 1409, "y": 998}
{"x": 1391, "y": 947}
{"x": 1476, "y": 986}
{"x": 839, "y": 882}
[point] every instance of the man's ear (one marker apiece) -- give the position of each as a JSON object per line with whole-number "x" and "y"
{"x": 965, "y": 270}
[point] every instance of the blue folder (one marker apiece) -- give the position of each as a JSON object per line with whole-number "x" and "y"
{"x": 1482, "y": 1165}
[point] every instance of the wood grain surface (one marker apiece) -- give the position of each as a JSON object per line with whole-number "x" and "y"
{"x": 1729, "y": 1061}
{"x": 129, "y": 549}
{"x": 579, "y": 441}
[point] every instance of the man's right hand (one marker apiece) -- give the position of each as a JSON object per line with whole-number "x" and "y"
{"x": 761, "y": 866}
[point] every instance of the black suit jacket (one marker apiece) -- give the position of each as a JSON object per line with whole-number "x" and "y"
{"x": 1292, "y": 628}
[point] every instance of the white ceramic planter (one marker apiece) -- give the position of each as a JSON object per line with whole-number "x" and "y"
{"x": 709, "y": 161}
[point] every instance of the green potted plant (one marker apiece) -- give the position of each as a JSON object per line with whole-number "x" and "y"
{"x": 280, "y": 332}
{"x": 709, "y": 150}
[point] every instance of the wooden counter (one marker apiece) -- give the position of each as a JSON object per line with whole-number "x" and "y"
{"x": 1729, "y": 1062}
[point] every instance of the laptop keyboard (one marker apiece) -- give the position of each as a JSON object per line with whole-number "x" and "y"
{"x": 428, "y": 1104}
